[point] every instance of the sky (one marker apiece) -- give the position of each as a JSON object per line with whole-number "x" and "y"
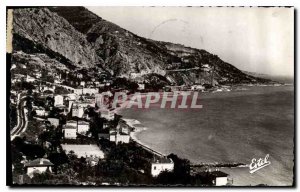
{"x": 258, "y": 40}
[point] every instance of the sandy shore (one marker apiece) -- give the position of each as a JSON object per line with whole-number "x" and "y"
{"x": 138, "y": 128}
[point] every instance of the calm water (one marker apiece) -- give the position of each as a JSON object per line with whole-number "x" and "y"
{"x": 231, "y": 127}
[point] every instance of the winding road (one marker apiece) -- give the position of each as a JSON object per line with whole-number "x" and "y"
{"x": 22, "y": 118}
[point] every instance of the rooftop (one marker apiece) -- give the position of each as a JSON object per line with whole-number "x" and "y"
{"x": 40, "y": 162}
{"x": 161, "y": 160}
{"x": 69, "y": 127}
{"x": 219, "y": 174}
{"x": 71, "y": 121}
{"x": 83, "y": 123}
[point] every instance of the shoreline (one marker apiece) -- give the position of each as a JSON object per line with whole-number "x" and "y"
{"x": 137, "y": 130}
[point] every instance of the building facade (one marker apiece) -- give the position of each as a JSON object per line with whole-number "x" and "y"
{"x": 83, "y": 127}
{"x": 58, "y": 100}
{"x": 161, "y": 164}
{"x": 54, "y": 121}
{"x": 40, "y": 165}
{"x": 70, "y": 132}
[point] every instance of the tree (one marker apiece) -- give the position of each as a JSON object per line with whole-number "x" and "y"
{"x": 58, "y": 159}
{"x": 32, "y": 151}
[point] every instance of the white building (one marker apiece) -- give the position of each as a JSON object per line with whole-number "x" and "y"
{"x": 197, "y": 87}
{"x": 97, "y": 84}
{"x": 40, "y": 165}
{"x": 99, "y": 99}
{"x": 83, "y": 127}
{"x": 112, "y": 137}
{"x": 135, "y": 75}
{"x": 43, "y": 88}
{"x": 58, "y": 100}
{"x": 79, "y": 75}
{"x": 86, "y": 103}
{"x": 161, "y": 164}
{"x": 141, "y": 86}
{"x": 57, "y": 81}
{"x": 54, "y": 121}
{"x": 30, "y": 79}
{"x": 13, "y": 66}
{"x": 40, "y": 111}
{"x": 122, "y": 138}
{"x": 115, "y": 136}
{"x": 71, "y": 123}
{"x": 38, "y": 75}
{"x": 122, "y": 127}
{"x": 71, "y": 98}
{"x": 82, "y": 83}
{"x": 78, "y": 91}
{"x": 77, "y": 111}
{"x": 70, "y": 132}
{"x": 86, "y": 90}
{"x": 108, "y": 114}
{"x": 220, "y": 178}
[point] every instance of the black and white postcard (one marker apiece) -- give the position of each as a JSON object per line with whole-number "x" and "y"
{"x": 150, "y": 96}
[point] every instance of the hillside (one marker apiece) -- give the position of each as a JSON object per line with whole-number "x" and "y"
{"x": 79, "y": 39}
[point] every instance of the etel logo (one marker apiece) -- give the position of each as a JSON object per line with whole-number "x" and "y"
{"x": 258, "y": 164}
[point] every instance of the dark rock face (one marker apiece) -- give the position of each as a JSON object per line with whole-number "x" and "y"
{"x": 77, "y": 37}
{"x": 47, "y": 29}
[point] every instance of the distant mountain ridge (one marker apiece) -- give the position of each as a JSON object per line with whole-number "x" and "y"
{"x": 78, "y": 38}
{"x": 276, "y": 78}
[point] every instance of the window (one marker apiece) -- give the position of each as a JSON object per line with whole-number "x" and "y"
{"x": 154, "y": 168}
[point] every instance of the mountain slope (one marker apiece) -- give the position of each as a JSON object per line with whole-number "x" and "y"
{"x": 86, "y": 40}
{"x": 46, "y": 29}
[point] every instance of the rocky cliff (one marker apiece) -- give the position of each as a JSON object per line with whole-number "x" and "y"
{"x": 78, "y": 38}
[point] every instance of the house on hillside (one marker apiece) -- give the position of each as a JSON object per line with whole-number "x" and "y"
{"x": 38, "y": 75}
{"x": 219, "y": 178}
{"x": 107, "y": 113}
{"x": 141, "y": 86}
{"x": 39, "y": 165}
{"x": 86, "y": 90}
{"x": 40, "y": 111}
{"x": 70, "y": 132}
{"x": 77, "y": 111}
{"x": 58, "y": 100}
{"x": 83, "y": 127}
{"x": 160, "y": 164}
{"x": 197, "y": 87}
{"x": 215, "y": 177}
{"x": 30, "y": 79}
{"x": 54, "y": 121}
{"x": 71, "y": 123}
{"x": 82, "y": 83}
{"x": 123, "y": 127}
{"x": 79, "y": 75}
{"x": 117, "y": 137}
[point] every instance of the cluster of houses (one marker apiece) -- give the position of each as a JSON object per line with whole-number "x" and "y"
{"x": 76, "y": 104}
{"x": 120, "y": 134}
{"x": 72, "y": 128}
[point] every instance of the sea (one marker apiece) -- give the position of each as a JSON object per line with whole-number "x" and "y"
{"x": 231, "y": 127}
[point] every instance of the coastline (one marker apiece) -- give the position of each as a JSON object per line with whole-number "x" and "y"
{"x": 138, "y": 128}
{"x": 240, "y": 175}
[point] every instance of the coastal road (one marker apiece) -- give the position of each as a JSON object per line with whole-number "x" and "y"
{"x": 180, "y": 70}
{"x": 58, "y": 85}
